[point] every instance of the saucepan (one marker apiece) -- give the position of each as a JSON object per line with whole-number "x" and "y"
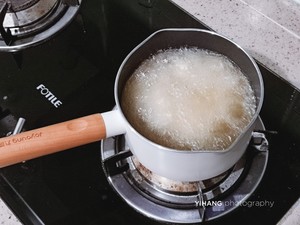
{"x": 171, "y": 163}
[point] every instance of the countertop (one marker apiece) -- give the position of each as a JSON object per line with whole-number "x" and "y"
{"x": 269, "y": 30}
{"x": 6, "y": 216}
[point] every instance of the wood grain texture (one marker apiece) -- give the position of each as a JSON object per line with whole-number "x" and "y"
{"x": 51, "y": 139}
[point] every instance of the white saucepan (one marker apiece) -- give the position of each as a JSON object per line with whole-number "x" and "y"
{"x": 170, "y": 163}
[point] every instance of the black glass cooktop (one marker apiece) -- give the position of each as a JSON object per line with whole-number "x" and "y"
{"x": 78, "y": 67}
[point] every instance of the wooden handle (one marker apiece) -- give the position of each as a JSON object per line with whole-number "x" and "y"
{"x": 51, "y": 139}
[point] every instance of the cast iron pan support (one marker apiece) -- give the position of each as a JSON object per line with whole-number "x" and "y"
{"x": 113, "y": 166}
{"x": 201, "y": 207}
{"x": 6, "y": 34}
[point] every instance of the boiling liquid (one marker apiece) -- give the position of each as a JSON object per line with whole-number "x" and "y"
{"x": 189, "y": 99}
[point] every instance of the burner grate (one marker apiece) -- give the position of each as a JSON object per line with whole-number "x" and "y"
{"x": 173, "y": 206}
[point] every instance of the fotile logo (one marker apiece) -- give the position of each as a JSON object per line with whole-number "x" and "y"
{"x": 49, "y": 95}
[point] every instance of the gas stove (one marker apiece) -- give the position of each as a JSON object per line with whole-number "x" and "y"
{"x": 78, "y": 65}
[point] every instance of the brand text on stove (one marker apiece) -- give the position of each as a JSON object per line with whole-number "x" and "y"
{"x": 49, "y": 95}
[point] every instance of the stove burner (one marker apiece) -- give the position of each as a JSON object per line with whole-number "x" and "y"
{"x": 26, "y": 23}
{"x": 18, "y": 5}
{"x": 176, "y": 202}
{"x": 26, "y": 12}
{"x": 142, "y": 173}
{"x": 184, "y": 194}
